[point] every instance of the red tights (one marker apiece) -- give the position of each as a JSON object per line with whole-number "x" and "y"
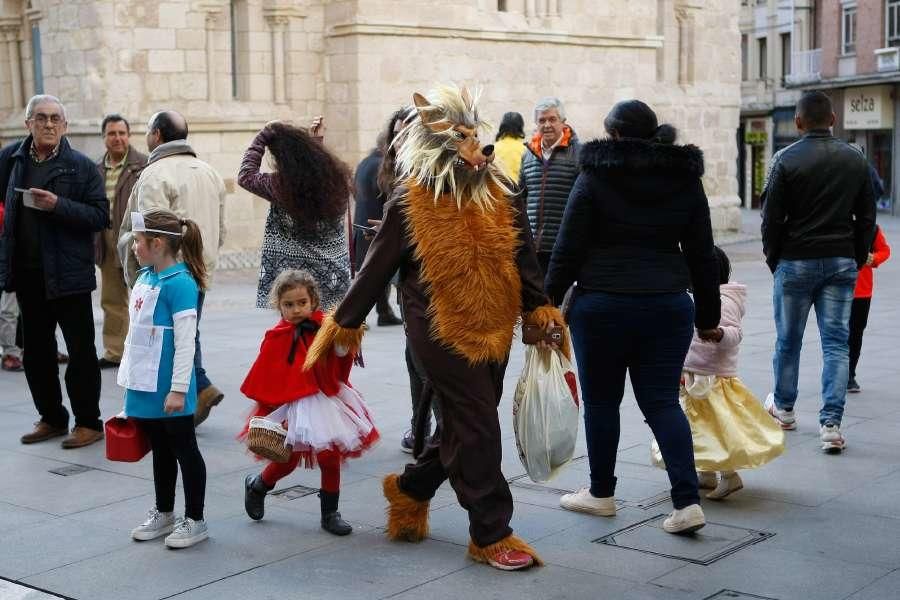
{"x": 329, "y": 465}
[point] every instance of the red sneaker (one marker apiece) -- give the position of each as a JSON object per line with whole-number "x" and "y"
{"x": 511, "y": 560}
{"x": 11, "y": 363}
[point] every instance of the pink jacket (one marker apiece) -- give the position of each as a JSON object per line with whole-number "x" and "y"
{"x": 711, "y": 358}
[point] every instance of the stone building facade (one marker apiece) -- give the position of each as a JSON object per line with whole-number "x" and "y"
{"x": 232, "y": 65}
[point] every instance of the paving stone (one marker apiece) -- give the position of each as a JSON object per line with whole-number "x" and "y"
{"x": 781, "y": 574}
{"x": 364, "y": 566}
{"x": 15, "y": 591}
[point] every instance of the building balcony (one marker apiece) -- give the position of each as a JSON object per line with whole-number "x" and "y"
{"x": 806, "y": 67}
{"x": 888, "y": 59}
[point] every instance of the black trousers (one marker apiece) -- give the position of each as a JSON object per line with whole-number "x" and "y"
{"x": 75, "y": 318}
{"x": 859, "y": 317}
{"x": 417, "y": 386}
{"x": 174, "y": 444}
{"x": 544, "y": 261}
{"x": 383, "y": 306}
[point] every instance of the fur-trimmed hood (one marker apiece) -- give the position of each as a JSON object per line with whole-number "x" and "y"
{"x": 642, "y": 171}
{"x": 640, "y": 156}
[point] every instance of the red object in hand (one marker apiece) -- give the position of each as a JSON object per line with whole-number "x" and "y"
{"x": 125, "y": 441}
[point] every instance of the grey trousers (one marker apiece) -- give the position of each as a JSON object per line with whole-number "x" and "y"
{"x": 9, "y": 318}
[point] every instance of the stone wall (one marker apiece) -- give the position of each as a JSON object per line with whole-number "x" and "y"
{"x": 231, "y": 66}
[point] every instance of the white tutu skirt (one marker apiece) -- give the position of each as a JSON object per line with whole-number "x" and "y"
{"x": 318, "y": 423}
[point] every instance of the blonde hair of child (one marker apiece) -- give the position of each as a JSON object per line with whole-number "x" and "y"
{"x": 291, "y": 279}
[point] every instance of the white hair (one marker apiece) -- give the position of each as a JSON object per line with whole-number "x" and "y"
{"x": 42, "y": 99}
{"x": 548, "y": 103}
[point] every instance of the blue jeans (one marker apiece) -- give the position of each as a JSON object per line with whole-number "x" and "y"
{"x": 648, "y": 337}
{"x": 203, "y": 381}
{"x": 826, "y": 284}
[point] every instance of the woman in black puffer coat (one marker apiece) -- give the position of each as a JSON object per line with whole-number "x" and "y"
{"x": 636, "y": 236}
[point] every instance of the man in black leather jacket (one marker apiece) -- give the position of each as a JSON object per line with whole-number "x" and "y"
{"x": 818, "y": 223}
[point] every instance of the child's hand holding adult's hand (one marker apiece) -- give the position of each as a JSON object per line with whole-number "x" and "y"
{"x": 174, "y": 402}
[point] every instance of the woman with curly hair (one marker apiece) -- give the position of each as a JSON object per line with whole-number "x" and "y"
{"x": 309, "y": 191}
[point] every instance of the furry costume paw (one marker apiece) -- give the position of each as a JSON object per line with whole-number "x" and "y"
{"x": 407, "y": 518}
{"x": 542, "y": 316}
{"x": 487, "y": 554}
{"x": 330, "y": 335}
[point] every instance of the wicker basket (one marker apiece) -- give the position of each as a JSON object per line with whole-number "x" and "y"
{"x": 266, "y": 438}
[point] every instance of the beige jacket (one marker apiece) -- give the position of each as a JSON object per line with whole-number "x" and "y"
{"x": 175, "y": 179}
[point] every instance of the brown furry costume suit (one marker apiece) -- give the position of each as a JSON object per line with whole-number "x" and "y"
{"x": 467, "y": 275}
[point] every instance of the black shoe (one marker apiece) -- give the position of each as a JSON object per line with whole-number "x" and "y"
{"x": 389, "y": 319}
{"x": 255, "y": 491}
{"x": 853, "y": 387}
{"x": 331, "y": 518}
{"x": 105, "y": 363}
{"x": 408, "y": 442}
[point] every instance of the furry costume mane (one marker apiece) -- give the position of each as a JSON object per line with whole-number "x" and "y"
{"x": 429, "y": 151}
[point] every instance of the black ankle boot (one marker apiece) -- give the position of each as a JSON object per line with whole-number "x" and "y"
{"x": 255, "y": 490}
{"x": 331, "y": 518}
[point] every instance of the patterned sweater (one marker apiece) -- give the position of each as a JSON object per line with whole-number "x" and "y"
{"x": 322, "y": 250}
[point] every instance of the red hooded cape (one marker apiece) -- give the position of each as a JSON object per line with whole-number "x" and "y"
{"x": 273, "y": 381}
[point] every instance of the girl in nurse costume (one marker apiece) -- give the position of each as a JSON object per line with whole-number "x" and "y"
{"x": 730, "y": 427}
{"x": 157, "y": 369}
{"x": 327, "y": 420}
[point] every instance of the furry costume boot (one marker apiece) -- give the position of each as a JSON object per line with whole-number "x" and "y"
{"x": 331, "y": 518}
{"x": 407, "y": 518}
{"x": 512, "y": 553}
{"x": 255, "y": 490}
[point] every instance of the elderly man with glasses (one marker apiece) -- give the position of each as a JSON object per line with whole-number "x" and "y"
{"x": 55, "y": 203}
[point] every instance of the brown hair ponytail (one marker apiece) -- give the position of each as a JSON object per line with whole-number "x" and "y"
{"x": 192, "y": 251}
{"x": 187, "y": 240}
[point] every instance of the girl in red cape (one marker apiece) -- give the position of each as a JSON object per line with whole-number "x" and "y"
{"x": 327, "y": 420}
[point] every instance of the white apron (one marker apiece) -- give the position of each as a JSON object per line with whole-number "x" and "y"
{"x": 139, "y": 369}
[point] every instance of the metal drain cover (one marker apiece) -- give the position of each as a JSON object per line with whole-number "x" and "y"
{"x": 733, "y": 595}
{"x": 713, "y": 542}
{"x": 294, "y": 492}
{"x": 70, "y": 470}
{"x": 653, "y": 501}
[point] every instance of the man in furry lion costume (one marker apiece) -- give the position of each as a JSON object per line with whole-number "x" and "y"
{"x": 468, "y": 273}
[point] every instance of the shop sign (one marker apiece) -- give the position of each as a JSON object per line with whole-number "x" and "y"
{"x": 868, "y": 108}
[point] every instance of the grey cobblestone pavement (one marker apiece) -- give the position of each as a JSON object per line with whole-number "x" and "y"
{"x": 808, "y": 526}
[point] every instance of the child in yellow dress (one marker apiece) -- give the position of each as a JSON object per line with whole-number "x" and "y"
{"x": 730, "y": 427}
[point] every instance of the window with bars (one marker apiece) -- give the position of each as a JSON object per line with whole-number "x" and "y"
{"x": 848, "y": 29}
{"x": 892, "y": 20}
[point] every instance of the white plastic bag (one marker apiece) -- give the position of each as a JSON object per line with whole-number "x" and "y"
{"x": 545, "y": 413}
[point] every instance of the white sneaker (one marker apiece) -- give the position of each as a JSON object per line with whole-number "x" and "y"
{"x": 156, "y": 525}
{"x": 707, "y": 480}
{"x": 728, "y": 484}
{"x": 785, "y": 418}
{"x": 833, "y": 441}
{"x": 685, "y": 520}
{"x": 187, "y": 533}
{"x": 583, "y": 501}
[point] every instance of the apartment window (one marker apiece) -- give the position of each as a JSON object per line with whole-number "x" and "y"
{"x": 785, "y": 55}
{"x": 848, "y": 29}
{"x": 745, "y": 58}
{"x": 763, "y": 57}
{"x": 892, "y": 19}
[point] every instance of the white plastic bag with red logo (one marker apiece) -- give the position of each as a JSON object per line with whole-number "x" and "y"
{"x": 545, "y": 413}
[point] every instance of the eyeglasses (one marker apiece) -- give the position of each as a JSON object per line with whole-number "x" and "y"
{"x": 42, "y": 119}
